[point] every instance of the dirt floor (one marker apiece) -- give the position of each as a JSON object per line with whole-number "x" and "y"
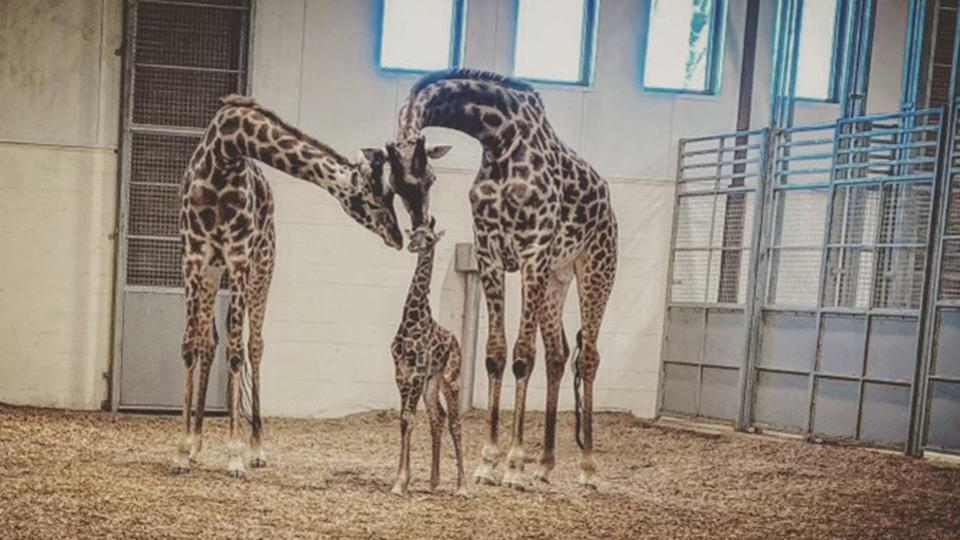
{"x": 88, "y": 474}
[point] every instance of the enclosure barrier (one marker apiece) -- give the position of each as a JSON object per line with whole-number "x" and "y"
{"x": 803, "y": 264}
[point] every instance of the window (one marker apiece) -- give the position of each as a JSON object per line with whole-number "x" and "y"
{"x": 555, "y": 40}
{"x": 816, "y": 57}
{"x": 684, "y": 40}
{"x": 421, "y": 35}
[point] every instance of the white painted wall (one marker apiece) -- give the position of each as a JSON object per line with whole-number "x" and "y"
{"x": 60, "y": 85}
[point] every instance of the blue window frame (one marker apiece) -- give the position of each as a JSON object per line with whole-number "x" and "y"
{"x": 555, "y": 41}
{"x": 420, "y": 35}
{"x": 684, "y": 45}
{"x": 819, "y": 47}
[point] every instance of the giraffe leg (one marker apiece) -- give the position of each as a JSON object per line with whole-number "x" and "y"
{"x": 492, "y": 280}
{"x": 239, "y": 273}
{"x": 198, "y": 347}
{"x": 436, "y": 414}
{"x": 524, "y": 353}
{"x": 259, "y": 287}
{"x": 451, "y": 394}
{"x": 409, "y": 395}
{"x": 595, "y": 272}
{"x": 557, "y": 350}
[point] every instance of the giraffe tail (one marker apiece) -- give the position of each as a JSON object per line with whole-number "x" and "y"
{"x": 578, "y": 387}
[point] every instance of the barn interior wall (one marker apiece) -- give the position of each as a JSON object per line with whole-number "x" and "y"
{"x": 60, "y": 82}
{"x": 337, "y": 291}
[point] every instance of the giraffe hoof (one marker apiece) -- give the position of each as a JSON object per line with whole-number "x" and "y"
{"x": 180, "y": 469}
{"x": 462, "y": 492}
{"x": 542, "y": 475}
{"x": 486, "y": 475}
{"x": 258, "y": 463}
{"x": 239, "y": 474}
{"x": 588, "y": 481}
{"x": 399, "y": 491}
{"x": 514, "y": 478}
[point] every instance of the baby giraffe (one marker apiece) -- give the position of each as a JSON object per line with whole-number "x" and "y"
{"x": 427, "y": 360}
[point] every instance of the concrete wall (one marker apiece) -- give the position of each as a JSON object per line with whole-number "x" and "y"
{"x": 60, "y": 85}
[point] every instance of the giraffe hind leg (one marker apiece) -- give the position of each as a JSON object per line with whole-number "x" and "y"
{"x": 450, "y": 385}
{"x": 259, "y": 287}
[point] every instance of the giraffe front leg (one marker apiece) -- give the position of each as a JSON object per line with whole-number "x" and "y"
{"x": 436, "y": 415}
{"x": 198, "y": 347}
{"x": 557, "y": 351}
{"x": 262, "y": 273}
{"x": 524, "y": 353}
{"x": 409, "y": 394}
{"x": 496, "y": 352}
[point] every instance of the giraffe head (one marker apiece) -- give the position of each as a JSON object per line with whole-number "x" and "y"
{"x": 424, "y": 237}
{"x": 411, "y": 175}
{"x": 369, "y": 201}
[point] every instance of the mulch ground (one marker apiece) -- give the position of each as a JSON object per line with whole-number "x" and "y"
{"x": 68, "y": 474}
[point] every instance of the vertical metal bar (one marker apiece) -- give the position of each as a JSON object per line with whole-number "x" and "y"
{"x": 914, "y": 55}
{"x": 123, "y": 206}
{"x": 755, "y": 292}
{"x": 681, "y": 145}
{"x": 786, "y": 52}
{"x": 825, "y": 255}
{"x": 933, "y": 266}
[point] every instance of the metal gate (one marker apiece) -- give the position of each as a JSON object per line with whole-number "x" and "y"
{"x": 180, "y": 58}
{"x": 815, "y": 281}
{"x": 940, "y": 411}
{"x": 839, "y": 335}
{"x": 712, "y": 254}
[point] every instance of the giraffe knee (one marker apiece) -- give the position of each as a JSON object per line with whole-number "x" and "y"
{"x": 519, "y": 369}
{"x": 236, "y": 362}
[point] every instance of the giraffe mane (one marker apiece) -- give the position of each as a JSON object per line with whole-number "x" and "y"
{"x": 236, "y": 100}
{"x": 472, "y": 75}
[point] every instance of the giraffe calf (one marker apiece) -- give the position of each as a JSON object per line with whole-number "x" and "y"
{"x": 427, "y": 361}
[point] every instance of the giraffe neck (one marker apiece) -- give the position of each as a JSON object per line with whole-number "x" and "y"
{"x": 417, "y": 306}
{"x": 493, "y": 112}
{"x": 243, "y": 129}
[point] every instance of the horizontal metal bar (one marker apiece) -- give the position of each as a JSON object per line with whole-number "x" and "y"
{"x": 167, "y": 130}
{"x": 801, "y": 172}
{"x": 195, "y": 4}
{"x": 167, "y": 185}
{"x": 783, "y": 146}
{"x": 931, "y": 112}
{"x": 890, "y": 163}
{"x": 804, "y": 157}
{"x": 719, "y": 306}
{"x": 734, "y": 135}
{"x": 715, "y": 177}
{"x": 944, "y": 378}
{"x": 840, "y": 310}
{"x": 720, "y": 163}
{"x": 704, "y": 249}
{"x": 882, "y": 132}
{"x": 187, "y": 68}
{"x": 865, "y": 181}
{"x": 857, "y": 378}
{"x": 157, "y": 238}
{"x": 786, "y": 371}
{"x": 721, "y": 191}
{"x": 720, "y": 150}
{"x": 886, "y": 146}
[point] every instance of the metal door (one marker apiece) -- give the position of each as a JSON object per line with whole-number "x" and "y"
{"x": 712, "y": 256}
{"x": 180, "y": 58}
{"x": 838, "y": 342}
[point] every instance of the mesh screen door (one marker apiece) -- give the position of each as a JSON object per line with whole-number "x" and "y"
{"x": 180, "y": 58}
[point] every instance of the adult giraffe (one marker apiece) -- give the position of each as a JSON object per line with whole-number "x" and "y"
{"x": 538, "y": 208}
{"x": 226, "y": 225}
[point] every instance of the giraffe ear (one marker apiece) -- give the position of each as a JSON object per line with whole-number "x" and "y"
{"x": 373, "y": 155}
{"x": 437, "y": 151}
{"x": 440, "y": 234}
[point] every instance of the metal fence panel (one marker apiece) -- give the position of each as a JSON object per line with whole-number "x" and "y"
{"x": 713, "y": 249}
{"x": 840, "y": 332}
{"x": 939, "y": 417}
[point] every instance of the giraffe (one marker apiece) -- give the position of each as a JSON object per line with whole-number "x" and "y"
{"x": 226, "y": 224}
{"x": 538, "y": 208}
{"x": 427, "y": 361}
